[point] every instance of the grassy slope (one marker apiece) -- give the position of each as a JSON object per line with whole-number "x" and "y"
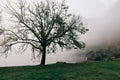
{"x": 108, "y": 70}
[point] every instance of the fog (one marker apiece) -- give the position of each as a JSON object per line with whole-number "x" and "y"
{"x": 105, "y": 28}
{"x": 101, "y": 18}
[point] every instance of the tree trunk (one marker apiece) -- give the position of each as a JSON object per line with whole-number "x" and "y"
{"x": 43, "y": 56}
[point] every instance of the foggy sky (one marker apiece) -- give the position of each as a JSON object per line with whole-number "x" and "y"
{"x": 105, "y": 28}
{"x": 101, "y": 17}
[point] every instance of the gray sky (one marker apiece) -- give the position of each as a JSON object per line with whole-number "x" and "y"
{"x": 101, "y": 17}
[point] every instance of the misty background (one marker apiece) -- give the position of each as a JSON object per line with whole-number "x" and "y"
{"x": 101, "y": 17}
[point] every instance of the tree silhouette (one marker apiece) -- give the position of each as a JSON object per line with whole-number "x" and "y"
{"x": 44, "y": 26}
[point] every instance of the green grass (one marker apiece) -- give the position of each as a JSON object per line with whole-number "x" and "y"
{"x": 91, "y": 70}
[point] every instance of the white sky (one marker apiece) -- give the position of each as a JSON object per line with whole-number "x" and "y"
{"x": 89, "y": 9}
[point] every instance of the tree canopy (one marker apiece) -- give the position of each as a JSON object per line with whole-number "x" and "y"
{"x": 45, "y": 26}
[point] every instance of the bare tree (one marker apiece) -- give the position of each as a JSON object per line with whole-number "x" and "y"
{"x": 44, "y": 26}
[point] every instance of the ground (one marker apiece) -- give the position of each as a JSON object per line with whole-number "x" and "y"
{"x": 91, "y": 70}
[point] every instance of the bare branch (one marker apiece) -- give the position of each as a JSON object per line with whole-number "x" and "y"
{"x": 18, "y": 42}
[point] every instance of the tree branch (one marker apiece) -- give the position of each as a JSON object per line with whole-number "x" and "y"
{"x": 37, "y": 36}
{"x": 22, "y": 38}
{"x": 11, "y": 44}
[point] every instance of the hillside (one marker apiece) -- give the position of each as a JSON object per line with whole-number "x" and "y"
{"x": 107, "y": 70}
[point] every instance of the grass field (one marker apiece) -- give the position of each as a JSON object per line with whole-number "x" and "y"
{"x": 91, "y": 70}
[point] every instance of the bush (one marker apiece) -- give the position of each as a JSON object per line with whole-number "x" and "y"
{"x": 108, "y": 53}
{"x": 94, "y": 56}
